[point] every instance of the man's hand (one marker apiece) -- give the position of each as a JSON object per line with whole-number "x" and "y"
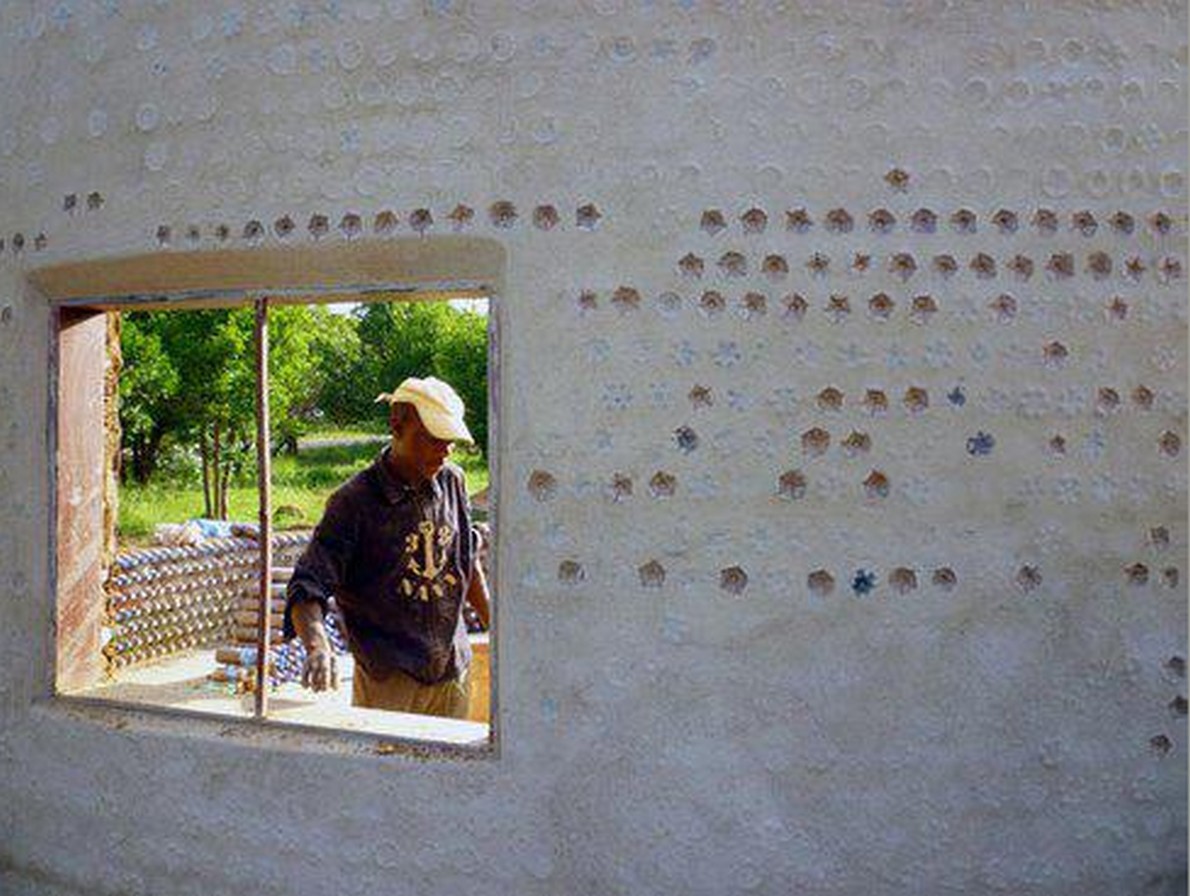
{"x": 321, "y": 669}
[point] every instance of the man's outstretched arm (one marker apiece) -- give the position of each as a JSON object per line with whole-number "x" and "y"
{"x": 316, "y": 577}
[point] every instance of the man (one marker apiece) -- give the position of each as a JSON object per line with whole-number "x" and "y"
{"x": 396, "y": 549}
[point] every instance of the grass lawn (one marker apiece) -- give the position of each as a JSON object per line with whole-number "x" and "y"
{"x": 301, "y": 485}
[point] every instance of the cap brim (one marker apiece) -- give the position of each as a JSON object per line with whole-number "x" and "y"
{"x": 444, "y": 426}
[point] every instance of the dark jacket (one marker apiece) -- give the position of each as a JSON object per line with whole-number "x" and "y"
{"x": 397, "y": 561}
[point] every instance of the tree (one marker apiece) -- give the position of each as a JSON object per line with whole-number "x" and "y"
{"x": 403, "y": 339}
{"x": 461, "y": 358}
{"x": 190, "y": 382}
{"x": 346, "y": 390}
{"x": 217, "y": 348}
{"x": 398, "y": 341}
{"x": 149, "y": 384}
{"x": 309, "y": 348}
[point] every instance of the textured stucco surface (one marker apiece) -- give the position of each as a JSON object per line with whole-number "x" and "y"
{"x": 991, "y": 737}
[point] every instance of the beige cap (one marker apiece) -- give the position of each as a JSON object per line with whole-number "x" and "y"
{"x": 438, "y": 405}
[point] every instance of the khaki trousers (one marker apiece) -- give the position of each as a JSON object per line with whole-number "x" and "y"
{"x": 403, "y": 693}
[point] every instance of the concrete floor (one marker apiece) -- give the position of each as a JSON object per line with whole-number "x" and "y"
{"x": 182, "y": 682}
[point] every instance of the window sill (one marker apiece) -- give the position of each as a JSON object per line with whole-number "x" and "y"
{"x": 345, "y": 731}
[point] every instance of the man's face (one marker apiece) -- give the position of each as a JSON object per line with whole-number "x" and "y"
{"x": 419, "y": 452}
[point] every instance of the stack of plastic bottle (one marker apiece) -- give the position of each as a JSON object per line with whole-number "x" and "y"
{"x": 237, "y": 665}
{"x": 163, "y": 600}
{"x": 290, "y": 657}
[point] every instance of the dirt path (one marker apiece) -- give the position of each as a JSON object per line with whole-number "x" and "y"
{"x": 339, "y": 441}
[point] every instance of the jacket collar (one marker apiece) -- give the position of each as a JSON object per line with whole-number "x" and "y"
{"x": 396, "y": 490}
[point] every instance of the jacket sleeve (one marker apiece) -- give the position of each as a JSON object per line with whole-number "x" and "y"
{"x": 467, "y": 533}
{"x": 322, "y": 568}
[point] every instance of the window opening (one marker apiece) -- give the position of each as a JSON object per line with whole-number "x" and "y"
{"x": 234, "y": 426}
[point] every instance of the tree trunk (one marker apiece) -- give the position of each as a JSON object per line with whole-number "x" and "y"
{"x": 142, "y": 466}
{"x": 216, "y": 466}
{"x": 223, "y": 492}
{"x": 134, "y": 447}
{"x": 152, "y": 451}
{"x": 204, "y": 453}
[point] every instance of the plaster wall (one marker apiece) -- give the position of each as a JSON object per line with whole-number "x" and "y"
{"x": 679, "y": 710}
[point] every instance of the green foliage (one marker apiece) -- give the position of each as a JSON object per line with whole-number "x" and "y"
{"x": 188, "y": 394}
{"x": 309, "y": 347}
{"x": 149, "y": 385}
{"x": 461, "y": 358}
{"x": 337, "y": 400}
{"x": 403, "y": 339}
